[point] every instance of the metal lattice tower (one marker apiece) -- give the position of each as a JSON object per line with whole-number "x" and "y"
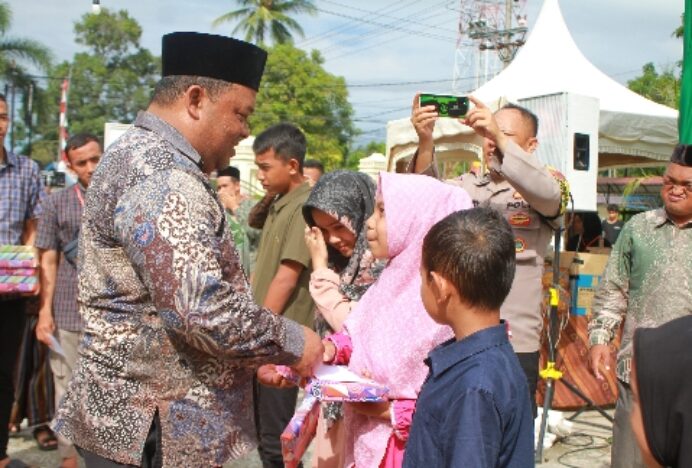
{"x": 489, "y": 35}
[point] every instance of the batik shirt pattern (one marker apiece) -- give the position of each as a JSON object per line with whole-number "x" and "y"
{"x": 647, "y": 282}
{"x": 170, "y": 323}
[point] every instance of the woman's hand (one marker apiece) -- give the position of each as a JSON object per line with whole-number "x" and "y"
{"x": 317, "y": 247}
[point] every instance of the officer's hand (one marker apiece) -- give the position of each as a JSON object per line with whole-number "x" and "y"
{"x": 481, "y": 119}
{"x": 423, "y": 120}
{"x": 313, "y": 350}
{"x": 599, "y": 355}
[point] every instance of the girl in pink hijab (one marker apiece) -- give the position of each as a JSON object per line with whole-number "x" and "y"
{"x": 389, "y": 334}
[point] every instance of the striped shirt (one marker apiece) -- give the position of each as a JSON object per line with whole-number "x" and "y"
{"x": 59, "y": 225}
{"x": 21, "y": 191}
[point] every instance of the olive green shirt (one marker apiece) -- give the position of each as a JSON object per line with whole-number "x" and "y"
{"x": 283, "y": 238}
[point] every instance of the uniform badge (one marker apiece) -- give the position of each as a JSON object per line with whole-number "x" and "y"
{"x": 519, "y": 244}
{"x": 520, "y": 219}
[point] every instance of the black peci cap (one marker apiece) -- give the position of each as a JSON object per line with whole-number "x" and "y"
{"x": 682, "y": 154}
{"x": 212, "y": 56}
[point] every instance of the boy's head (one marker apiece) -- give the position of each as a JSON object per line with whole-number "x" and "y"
{"x": 471, "y": 255}
{"x": 279, "y": 154}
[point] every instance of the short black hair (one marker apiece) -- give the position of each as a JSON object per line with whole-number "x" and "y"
{"x": 230, "y": 171}
{"x": 287, "y": 141}
{"x": 613, "y": 207}
{"x": 80, "y": 139}
{"x": 3, "y": 98}
{"x": 315, "y": 164}
{"x": 474, "y": 250}
{"x": 170, "y": 88}
{"x": 526, "y": 114}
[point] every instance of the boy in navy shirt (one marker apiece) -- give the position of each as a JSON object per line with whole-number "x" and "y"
{"x": 474, "y": 408}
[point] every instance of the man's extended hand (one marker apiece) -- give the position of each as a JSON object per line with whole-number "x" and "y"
{"x": 45, "y": 327}
{"x": 423, "y": 120}
{"x": 313, "y": 350}
{"x": 267, "y": 375}
{"x": 599, "y": 355}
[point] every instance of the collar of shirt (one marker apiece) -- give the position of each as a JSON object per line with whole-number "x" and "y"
{"x": 452, "y": 352}
{"x": 290, "y": 196}
{"x": 11, "y": 159}
{"x": 153, "y": 123}
{"x": 660, "y": 217}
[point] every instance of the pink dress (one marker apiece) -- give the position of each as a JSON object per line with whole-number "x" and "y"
{"x": 390, "y": 330}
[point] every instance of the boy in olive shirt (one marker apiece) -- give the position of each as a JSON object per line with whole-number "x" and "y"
{"x": 282, "y": 272}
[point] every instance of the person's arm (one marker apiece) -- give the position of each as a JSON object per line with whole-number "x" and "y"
{"x": 49, "y": 272}
{"x": 168, "y": 230}
{"x": 29, "y": 232}
{"x": 610, "y": 302}
{"x": 472, "y": 431}
{"x": 330, "y": 303}
{"x": 258, "y": 214}
{"x": 282, "y": 286}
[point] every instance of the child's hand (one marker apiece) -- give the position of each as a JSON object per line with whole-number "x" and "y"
{"x": 314, "y": 240}
{"x": 329, "y": 351}
{"x": 374, "y": 410}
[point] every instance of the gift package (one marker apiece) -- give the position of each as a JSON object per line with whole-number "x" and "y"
{"x": 18, "y": 269}
{"x": 330, "y": 384}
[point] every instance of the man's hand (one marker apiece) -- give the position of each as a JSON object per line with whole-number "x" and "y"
{"x": 45, "y": 327}
{"x": 268, "y": 376}
{"x": 313, "y": 351}
{"x": 423, "y": 120}
{"x": 314, "y": 240}
{"x": 229, "y": 200}
{"x": 599, "y": 355}
{"x": 481, "y": 119}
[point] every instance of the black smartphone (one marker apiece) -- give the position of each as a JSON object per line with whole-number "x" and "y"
{"x": 445, "y": 104}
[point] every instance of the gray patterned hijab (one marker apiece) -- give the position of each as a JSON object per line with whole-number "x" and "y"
{"x": 348, "y": 197}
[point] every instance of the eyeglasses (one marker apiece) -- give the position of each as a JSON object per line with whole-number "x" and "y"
{"x": 670, "y": 184}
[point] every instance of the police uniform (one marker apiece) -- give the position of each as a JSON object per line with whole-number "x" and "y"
{"x": 532, "y": 198}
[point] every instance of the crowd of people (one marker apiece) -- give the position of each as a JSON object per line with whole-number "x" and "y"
{"x": 167, "y": 300}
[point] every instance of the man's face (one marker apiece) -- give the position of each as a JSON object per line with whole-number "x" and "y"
{"x": 613, "y": 215}
{"x": 83, "y": 161}
{"x": 227, "y": 184}
{"x": 677, "y": 192}
{"x": 224, "y": 123}
{"x": 312, "y": 174}
{"x": 513, "y": 125}
{"x": 274, "y": 173}
{"x": 4, "y": 121}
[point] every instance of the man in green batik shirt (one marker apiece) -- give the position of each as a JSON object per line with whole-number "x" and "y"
{"x": 647, "y": 282}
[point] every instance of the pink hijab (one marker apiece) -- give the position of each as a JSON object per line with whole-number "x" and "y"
{"x": 390, "y": 330}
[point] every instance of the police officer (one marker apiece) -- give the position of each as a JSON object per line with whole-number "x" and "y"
{"x": 531, "y": 196}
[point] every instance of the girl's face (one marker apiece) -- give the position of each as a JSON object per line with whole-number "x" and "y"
{"x": 335, "y": 234}
{"x": 377, "y": 231}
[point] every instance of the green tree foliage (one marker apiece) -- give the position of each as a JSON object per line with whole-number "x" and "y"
{"x": 361, "y": 152}
{"x": 663, "y": 87}
{"x": 295, "y": 88}
{"x": 261, "y": 18}
{"x": 110, "y": 82}
{"x": 16, "y": 52}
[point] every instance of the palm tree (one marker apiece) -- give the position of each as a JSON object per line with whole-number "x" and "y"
{"x": 15, "y": 51}
{"x": 258, "y": 18}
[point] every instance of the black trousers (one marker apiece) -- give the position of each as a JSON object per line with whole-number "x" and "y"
{"x": 151, "y": 457}
{"x": 529, "y": 364}
{"x": 274, "y": 408}
{"x": 12, "y": 319}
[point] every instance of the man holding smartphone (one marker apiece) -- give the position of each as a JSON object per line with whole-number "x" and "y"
{"x": 530, "y": 195}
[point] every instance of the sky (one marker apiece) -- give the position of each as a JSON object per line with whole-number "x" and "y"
{"x": 388, "y": 50}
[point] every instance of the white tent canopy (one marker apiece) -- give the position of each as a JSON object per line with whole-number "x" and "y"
{"x": 632, "y": 129}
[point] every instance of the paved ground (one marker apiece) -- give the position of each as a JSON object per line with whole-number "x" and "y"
{"x": 589, "y": 446}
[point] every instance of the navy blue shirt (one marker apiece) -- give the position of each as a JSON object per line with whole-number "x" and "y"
{"x": 473, "y": 409}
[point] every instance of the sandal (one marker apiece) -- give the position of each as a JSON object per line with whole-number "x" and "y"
{"x": 45, "y": 438}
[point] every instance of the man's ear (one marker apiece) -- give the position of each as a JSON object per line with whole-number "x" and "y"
{"x": 194, "y": 99}
{"x": 294, "y": 167}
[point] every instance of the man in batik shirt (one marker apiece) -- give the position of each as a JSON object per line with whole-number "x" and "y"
{"x": 647, "y": 282}
{"x": 171, "y": 332}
